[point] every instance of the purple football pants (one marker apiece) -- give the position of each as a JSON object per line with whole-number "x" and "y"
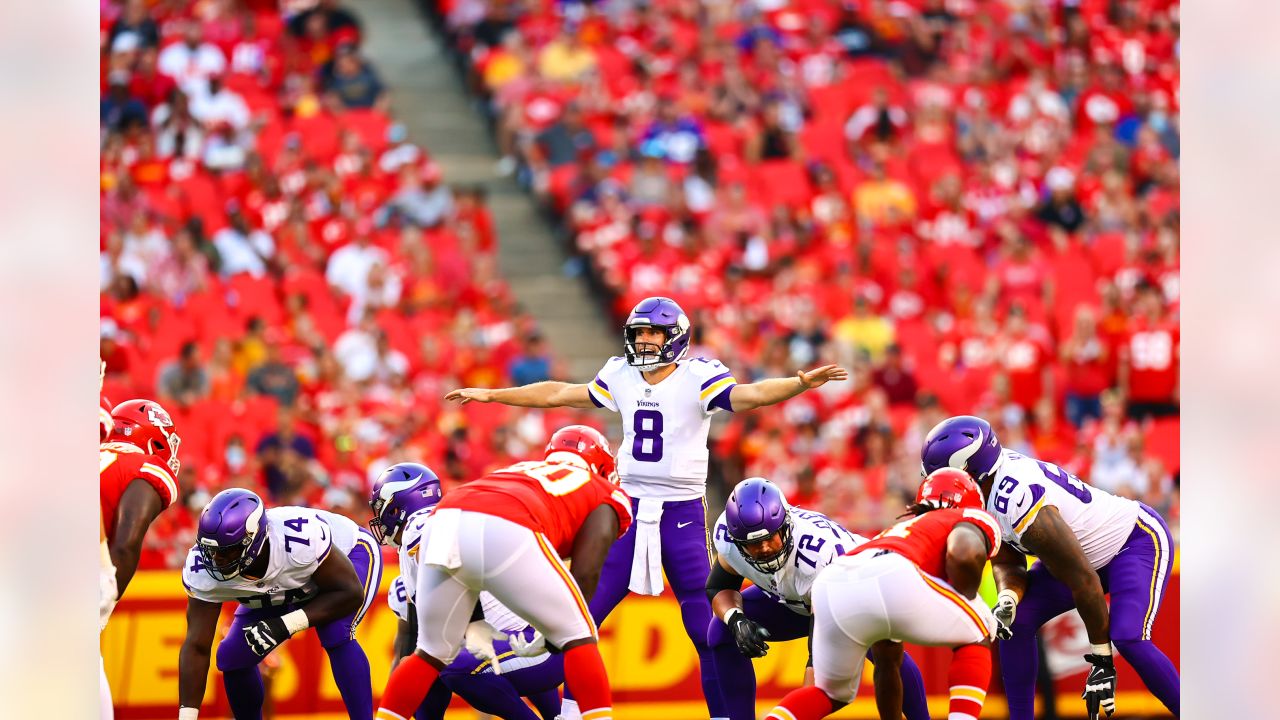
{"x": 239, "y": 664}
{"x": 499, "y": 695}
{"x": 738, "y": 677}
{"x": 686, "y": 560}
{"x": 1136, "y": 578}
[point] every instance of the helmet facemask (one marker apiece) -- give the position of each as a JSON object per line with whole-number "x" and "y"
{"x": 773, "y": 562}
{"x": 648, "y": 356}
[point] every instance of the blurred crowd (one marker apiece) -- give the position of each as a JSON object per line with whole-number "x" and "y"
{"x": 285, "y": 271}
{"x": 972, "y": 203}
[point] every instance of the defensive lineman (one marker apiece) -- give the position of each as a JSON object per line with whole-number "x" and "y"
{"x": 1088, "y": 542}
{"x": 780, "y": 549}
{"x": 666, "y": 402}
{"x": 280, "y": 566}
{"x": 402, "y": 499}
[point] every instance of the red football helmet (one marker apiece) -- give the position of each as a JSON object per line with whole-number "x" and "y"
{"x": 146, "y": 425}
{"x": 587, "y": 443}
{"x": 949, "y": 488}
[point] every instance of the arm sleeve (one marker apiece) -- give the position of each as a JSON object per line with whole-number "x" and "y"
{"x": 716, "y": 381}
{"x": 621, "y": 504}
{"x": 158, "y": 476}
{"x": 398, "y": 599}
{"x": 721, "y": 579}
{"x": 598, "y": 388}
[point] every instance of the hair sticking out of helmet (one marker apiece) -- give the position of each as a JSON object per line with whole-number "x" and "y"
{"x": 947, "y": 488}
{"x": 759, "y": 523}
{"x": 662, "y": 314}
{"x": 231, "y": 533}
{"x": 586, "y": 443}
{"x": 400, "y": 491}
{"x": 146, "y": 425}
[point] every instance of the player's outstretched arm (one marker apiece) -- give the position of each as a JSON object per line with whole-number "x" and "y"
{"x": 1050, "y": 539}
{"x": 590, "y": 547}
{"x": 546, "y": 394}
{"x": 193, "y": 658}
{"x": 887, "y": 678}
{"x": 139, "y": 506}
{"x": 774, "y": 390}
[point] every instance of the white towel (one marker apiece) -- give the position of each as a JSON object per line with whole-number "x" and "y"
{"x": 646, "y": 563}
{"x": 441, "y": 548}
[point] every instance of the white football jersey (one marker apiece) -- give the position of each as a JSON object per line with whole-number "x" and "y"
{"x": 816, "y": 541}
{"x": 495, "y": 613}
{"x": 1023, "y": 486}
{"x": 299, "y": 539}
{"x": 663, "y": 454}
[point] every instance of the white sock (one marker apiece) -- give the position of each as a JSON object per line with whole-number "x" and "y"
{"x": 569, "y": 710}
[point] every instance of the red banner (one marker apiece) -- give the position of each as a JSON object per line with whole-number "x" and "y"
{"x": 651, "y": 663}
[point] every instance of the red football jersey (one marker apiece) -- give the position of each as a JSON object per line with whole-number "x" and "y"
{"x": 121, "y": 464}
{"x": 923, "y": 539}
{"x": 551, "y": 498}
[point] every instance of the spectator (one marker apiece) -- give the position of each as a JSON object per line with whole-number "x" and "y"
{"x": 896, "y": 379}
{"x": 864, "y": 331}
{"x": 192, "y": 61}
{"x": 533, "y": 364}
{"x": 566, "y": 140}
{"x": 330, "y": 16}
{"x": 421, "y": 198}
{"x": 771, "y": 141}
{"x": 566, "y": 58}
{"x": 351, "y": 83}
{"x": 135, "y": 20}
{"x": 882, "y": 200}
{"x": 349, "y": 265}
{"x": 399, "y": 152}
{"x": 283, "y": 453}
{"x": 651, "y": 187}
{"x": 1061, "y": 208}
{"x": 1088, "y": 368}
{"x": 183, "y": 381}
{"x": 884, "y": 120}
{"x": 120, "y": 111}
{"x": 678, "y": 136}
{"x": 178, "y": 132}
{"x": 1149, "y": 357}
{"x": 390, "y": 365}
{"x": 357, "y": 349}
{"x": 219, "y": 105}
{"x": 275, "y": 378}
{"x": 242, "y": 249}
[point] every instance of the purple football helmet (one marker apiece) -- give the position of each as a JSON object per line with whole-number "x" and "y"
{"x": 400, "y": 491}
{"x": 756, "y": 510}
{"x": 664, "y": 314}
{"x": 963, "y": 442}
{"x": 231, "y": 533}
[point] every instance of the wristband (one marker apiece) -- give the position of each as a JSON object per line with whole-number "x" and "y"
{"x": 188, "y": 713}
{"x": 295, "y": 622}
{"x": 730, "y": 613}
{"x": 1009, "y": 594}
{"x": 1103, "y": 649}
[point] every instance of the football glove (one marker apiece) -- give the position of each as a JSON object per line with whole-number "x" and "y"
{"x": 479, "y": 642}
{"x": 264, "y": 636}
{"x": 748, "y": 635}
{"x": 1005, "y": 610}
{"x": 1100, "y": 687}
{"x": 106, "y": 596}
{"x": 528, "y": 648}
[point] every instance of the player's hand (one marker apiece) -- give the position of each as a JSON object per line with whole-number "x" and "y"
{"x": 821, "y": 376}
{"x": 749, "y": 636}
{"x": 107, "y": 596}
{"x": 528, "y": 648}
{"x": 466, "y": 395}
{"x": 1005, "y": 610}
{"x": 479, "y": 642}
{"x": 264, "y": 636}
{"x": 1100, "y": 687}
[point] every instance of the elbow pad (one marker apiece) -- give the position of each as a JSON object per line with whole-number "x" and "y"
{"x": 721, "y": 579}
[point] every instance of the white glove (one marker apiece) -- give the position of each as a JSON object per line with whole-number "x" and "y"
{"x": 528, "y": 648}
{"x": 1005, "y": 610}
{"x": 107, "y": 596}
{"x": 479, "y": 642}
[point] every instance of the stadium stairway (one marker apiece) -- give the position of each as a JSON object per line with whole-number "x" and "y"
{"x": 429, "y": 98}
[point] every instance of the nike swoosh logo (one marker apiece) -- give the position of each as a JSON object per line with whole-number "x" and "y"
{"x": 680, "y": 525}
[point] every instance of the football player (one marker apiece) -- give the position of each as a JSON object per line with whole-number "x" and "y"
{"x": 402, "y": 499}
{"x": 1087, "y": 542}
{"x": 915, "y": 582}
{"x": 138, "y": 478}
{"x": 780, "y": 549}
{"x": 279, "y": 565}
{"x": 506, "y": 533}
{"x": 666, "y": 402}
